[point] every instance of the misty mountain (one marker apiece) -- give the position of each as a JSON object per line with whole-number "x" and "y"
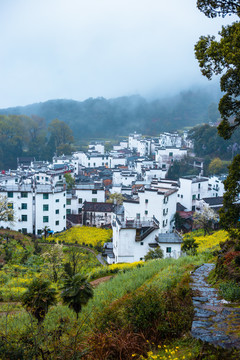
{"x": 100, "y": 117}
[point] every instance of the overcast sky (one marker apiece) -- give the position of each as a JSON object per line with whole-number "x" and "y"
{"x": 75, "y": 49}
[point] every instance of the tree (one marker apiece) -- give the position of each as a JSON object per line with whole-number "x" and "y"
{"x": 213, "y": 8}
{"x": 75, "y": 260}
{"x": 205, "y": 219}
{"x": 222, "y": 57}
{"x": 116, "y": 198}
{"x": 6, "y": 210}
{"x": 54, "y": 257}
{"x": 154, "y": 254}
{"x": 61, "y": 135}
{"x": 215, "y": 166}
{"x": 38, "y": 297}
{"x": 230, "y": 212}
{"x": 189, "y": 245}
{"x": 69, "y": 180}
{"x": 76, "y": 292}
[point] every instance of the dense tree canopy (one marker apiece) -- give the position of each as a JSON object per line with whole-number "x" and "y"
{"x": 213, "y": 8}
{"x": 29, "y": 136}
{"x": 223, "y": 57}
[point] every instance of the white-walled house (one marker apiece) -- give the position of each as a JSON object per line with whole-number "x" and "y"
{"x": 96, "y": 147}
{"x": 192, "y": 189}
{"x": 216, "y": 186}
{"x": 159, "y": 203}
{"x": 36, "y": 207}
{"x": 123, "y": 177}
{"x": 133, "y": 141}
{"x": 81, "y": 193}
{"x": 132, "y": 239}
{"x": 165, "y": 156}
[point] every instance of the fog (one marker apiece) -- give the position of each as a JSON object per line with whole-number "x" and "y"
{"x": 75, "y": 49}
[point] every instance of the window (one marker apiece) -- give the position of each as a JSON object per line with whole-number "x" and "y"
{"x": 94, "y": 191}
{"x": 60, "y": 177}
{"x": 79, "y": 210}
{"x": 181, "y": 196}
{"x": 57, "y": 200}
{"x": 68, "y": 211}
{"x": 24, "y": 206}
{"x": 64, "y": 216}
{"x": 146, "y": 212}
{"x": 46, "y": 178}
{"x": 24, "y": 230}
{"x": 138, "y": 216}
{"x": 37, "y": 177}
{"x": 94, "y": 199}
{"x": 88, "y": 164}
{"x": 194, "y": 197}
{"x": 170, "y": 154}
{"x": 141, "y": 243}
{"x": 146, "y": 201}
{"x": 198, "y": 196}
{"x": 24, "y": 194}
{"x": 45, "y": 196}
{"x": 168, "y": 250}
{"x": 10, "y": 205}
{"x": 199, "y": 185}
{"x": 68, "y": 201}
{"x": 64, "y": 205}
{"x": 45, "y": 207}
{"x": 57, "y": 222}
{"x": 24, "y": 217}
{"x": 10, "y": 194}
{"x": 165, "y": 201}
{"x": 80, "y": 201}
{"x": 57, "y": 211}
{"x": 45, "y": 219}
{"x": 39, "y": 232}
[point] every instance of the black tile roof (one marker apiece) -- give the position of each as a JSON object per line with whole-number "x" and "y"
{"x": 98, "y": 207}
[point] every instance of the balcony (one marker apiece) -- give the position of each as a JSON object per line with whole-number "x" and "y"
{"x": 133, "y": 223}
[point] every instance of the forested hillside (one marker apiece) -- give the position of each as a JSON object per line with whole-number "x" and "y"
{"x": 107, "y": 118}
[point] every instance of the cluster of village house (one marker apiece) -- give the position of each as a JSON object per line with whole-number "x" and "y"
{"x": 136, "y": 168}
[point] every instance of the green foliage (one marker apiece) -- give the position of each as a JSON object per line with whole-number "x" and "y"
{"x": 230, "y": 212}
{"x": 213, "y": 8}
{"x": 69, "y": 180}
{"x": 189, "y": 245}
{"x": 230, "y": 291}
{"x": 116, "y": 198}
{"x": 76, "y": 292}
{"x": 38, "y": 297}
{"x": 6, "y": 212}
{"x": 207, "y": 142}
{"x": 182, "y": 167}
{"x": 154, "y": 254}
{"x": 222, "y": 57}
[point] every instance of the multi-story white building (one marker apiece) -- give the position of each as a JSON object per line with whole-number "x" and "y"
{"x": 36, "y": 207}
{"x": 133, "y": 141}
{"x": 191, "y": 189}
{"x": 165, "y": 156}
{"x": 81, "y": 193}
{"x": 158, "y": 203}
{"x": 146, "y": 224}
{"x": 170, "y": 140}
{"x": 125, "y": 178}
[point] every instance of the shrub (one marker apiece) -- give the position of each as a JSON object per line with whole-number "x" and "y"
{"x": 230, "y": 291}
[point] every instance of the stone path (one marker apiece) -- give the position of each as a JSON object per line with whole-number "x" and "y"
{"x": 214, "y": 321}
